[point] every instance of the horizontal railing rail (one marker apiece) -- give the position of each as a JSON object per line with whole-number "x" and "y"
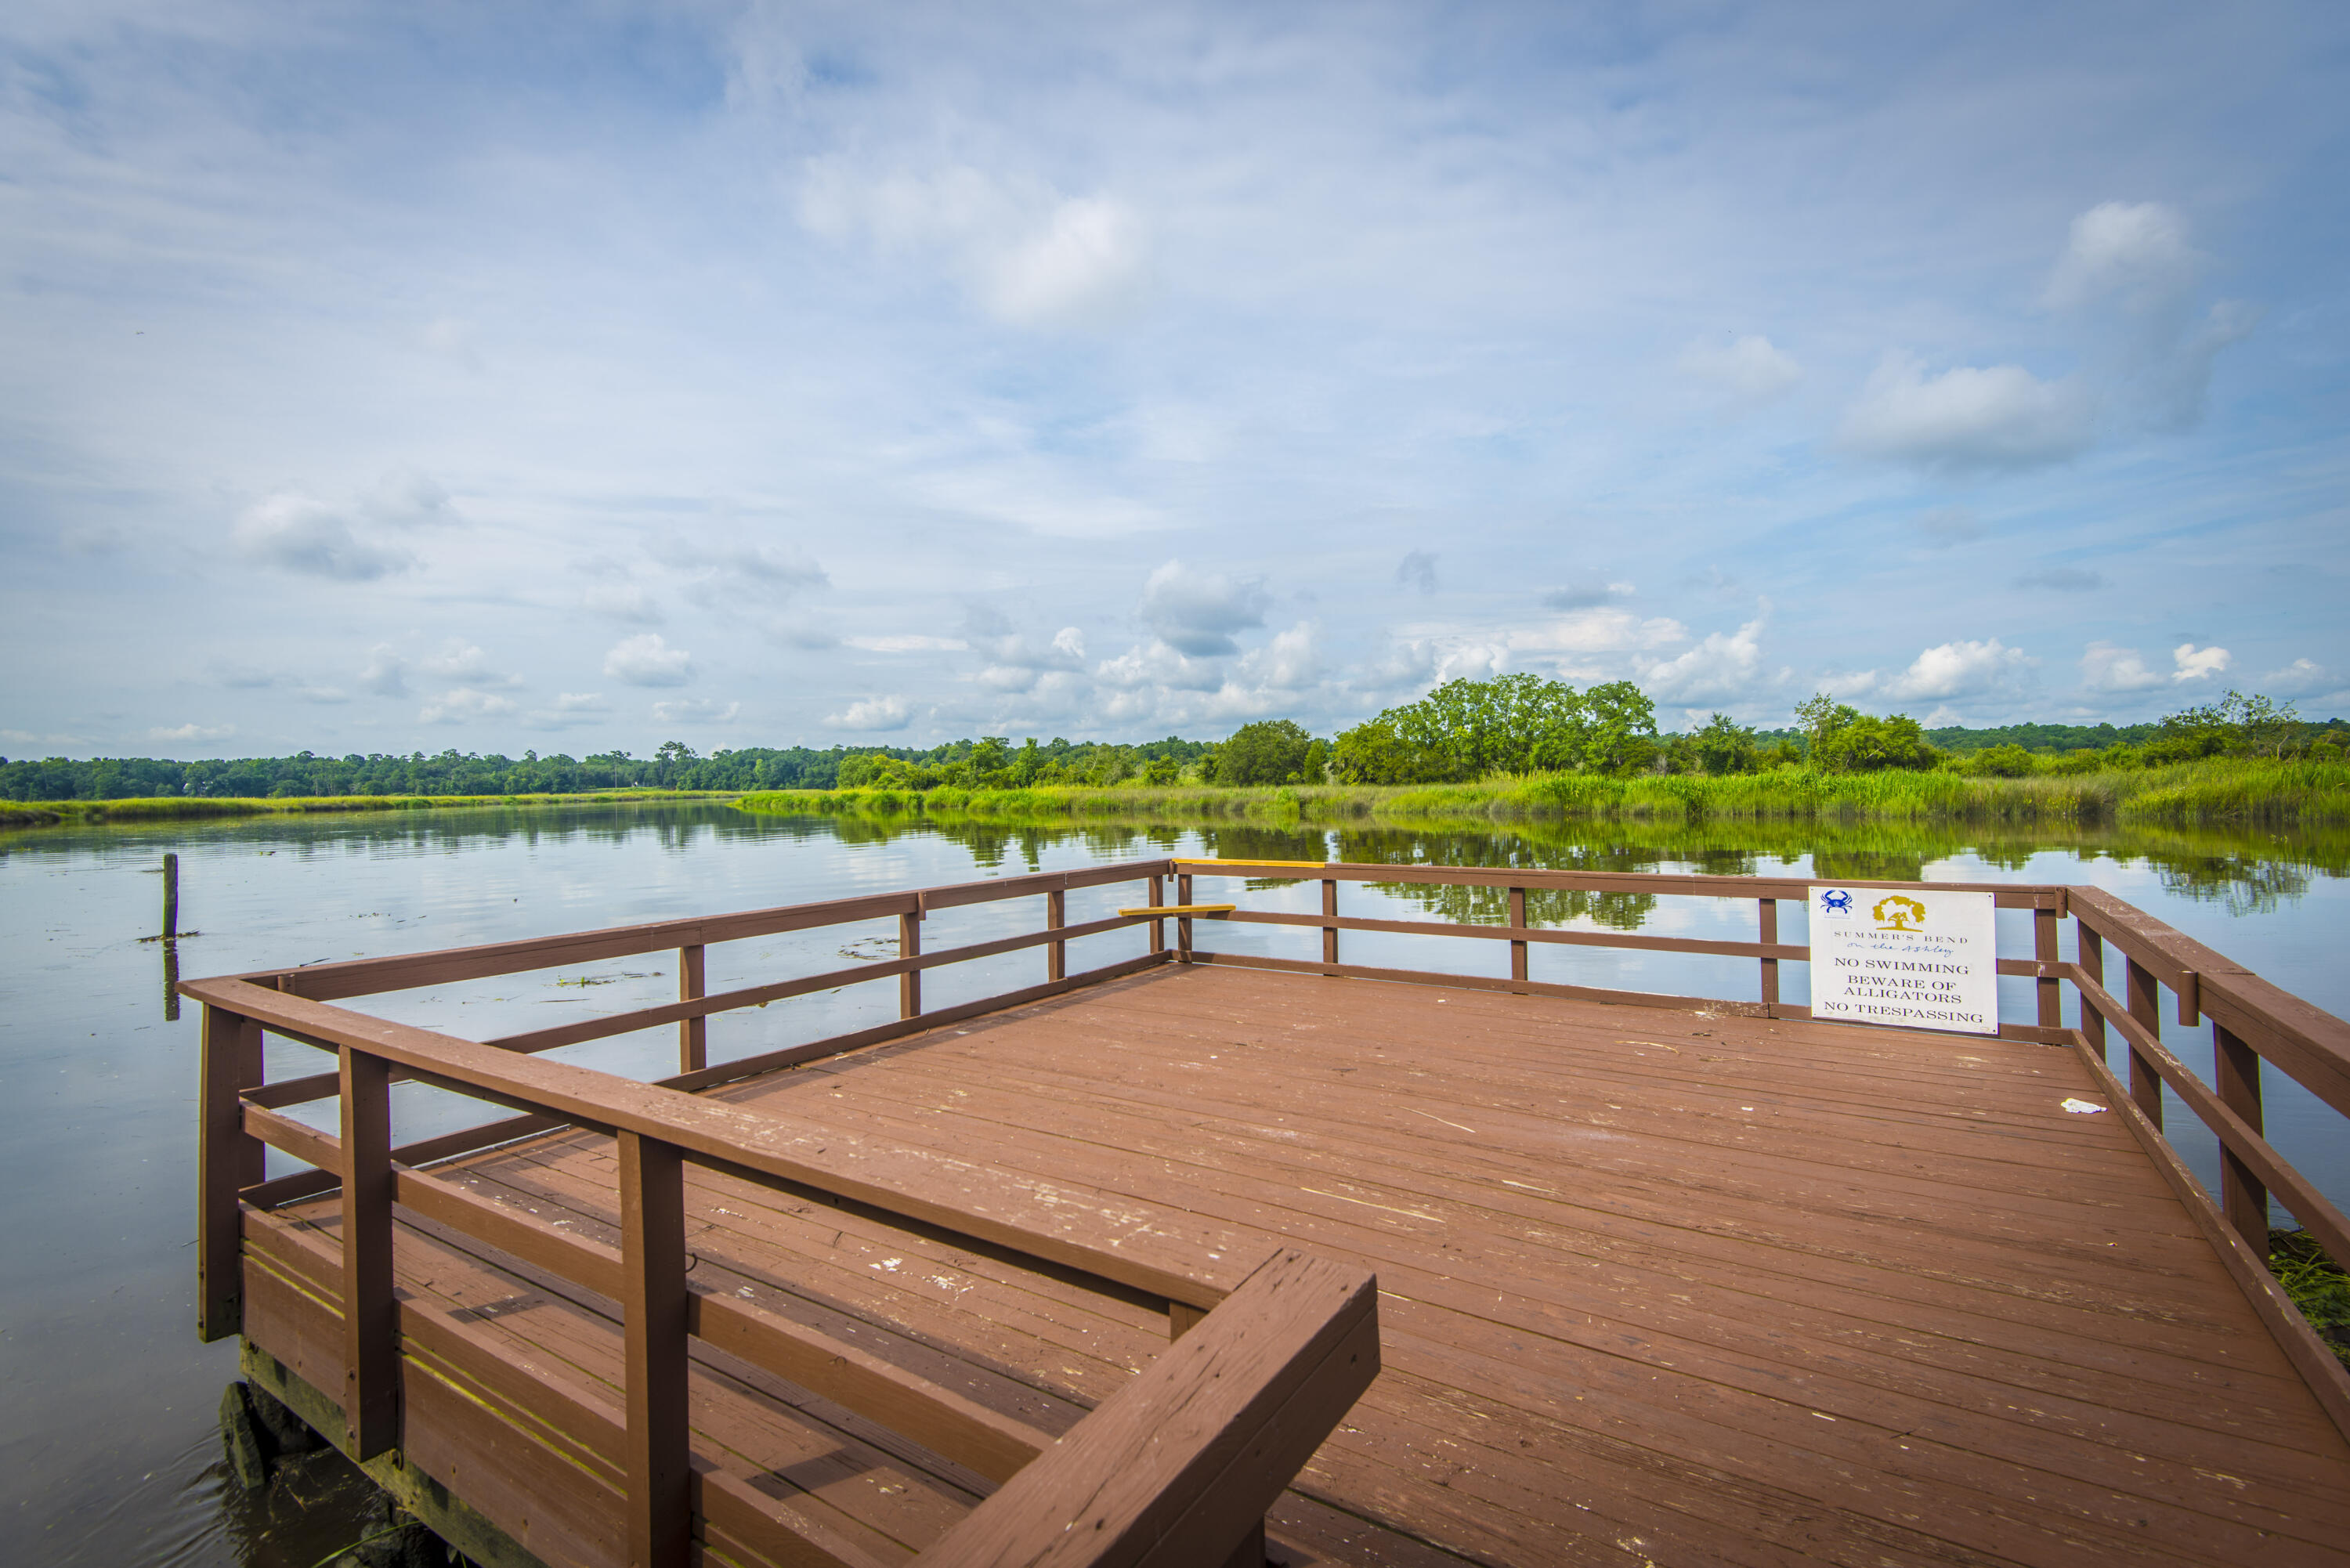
{"x": 663, "y": 1127}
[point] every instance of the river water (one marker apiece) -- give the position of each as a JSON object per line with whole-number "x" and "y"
{"x": 108, "y": 1447}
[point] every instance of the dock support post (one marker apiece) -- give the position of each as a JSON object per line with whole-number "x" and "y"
{"x": 2048, "y": 989}
{"x": 1157, "y": 900}
{"x": 1329, "y": 912}
{"x": 652, "y": 1254}
{"x": 2145, "y": 1005}
{"x": 2237, "y": 1067}
{"x": 171, "y": 897}
{"x": 909, "y": 985}
{"x": 1056, "y": 954}
{"x": 693, "y": 1033}
{"x": 228, "y": 1159}
{"x": 1183, "y": 922}
{"x": 370, "y": 1316}
{"x": 1766, "y": 932}
{"x": 1518, "y": 923}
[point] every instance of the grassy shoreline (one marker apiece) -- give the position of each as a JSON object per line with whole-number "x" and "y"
{"x": 160, "y": 808}
{"x": 2229, "y": 791}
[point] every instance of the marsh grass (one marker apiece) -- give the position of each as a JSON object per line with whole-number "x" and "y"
{"x": 159, "y": 808}
{"x": 2316, "y": 1284}
{"x": 2238, "y": 792}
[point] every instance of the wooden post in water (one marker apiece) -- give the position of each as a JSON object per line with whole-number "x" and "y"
{"x": 171, "y": 897}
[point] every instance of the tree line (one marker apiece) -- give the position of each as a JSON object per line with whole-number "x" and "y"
{"x": 1462, "y": 731}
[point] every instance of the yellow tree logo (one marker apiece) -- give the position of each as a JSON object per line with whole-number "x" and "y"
{"x": 1895, "y": 914}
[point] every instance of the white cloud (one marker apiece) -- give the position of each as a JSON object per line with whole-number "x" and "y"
{"x": 1962, "y": 669}
{"x": 459, "y": 704}
{"x": 1196, "y": 613}
{"x": 1584, "y": 595}
{"x": 2136, "y": 253}
{"x": 385, "y": 674}
{"x": 871, "y": 713}
{"x": 461, "y": 661}
{"x": 2301, "y": 677}
{"x": 410, "y": 498}
{"x": 298, "y": 533}
{"x": 1290, "y": 661}
{"x": 1030, "y": 255}
{"x": 322, "y": 694}
{"x": 1718, "y": 670}
{"x": 2199, "y": 663}
{"x": 1607, "y": 629}
{"x": 187, "y": 732}
{"x": 694, "y": 711}
{"x": 647, "y": 659}
{"x": 1750, "y": 369}
{"x": 1967, "y": 419}
{"x": 2107, "y": 667}
{"x": 571, "y": 711}
{"x": 907, "y": 642}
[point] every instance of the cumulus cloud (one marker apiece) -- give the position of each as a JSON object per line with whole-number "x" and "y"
{"x": 2063, "y": 580}
{"x": 1417, "y": 570}
{"x": 1717, "y": 669}
{"x": 296, "y": 532}
{"x": 1967, "y": 419}
{"x": 1196, "y": 613}
{"x": 1749, "y": 369}
{"x": 871, "y": 713}
{"x": 2301, "y": 677}
{"x": 2134, "y": 251}
{"x": 1029, "y": 254}
{"x": 906, "y": 642}
{"x": 1017, "y": 661}
{"x": 1608, "y": 629}
{"x": 571, "y": 709}
{"x": 385, "y": 674}
{"x": 410, "y": 498}
{"x": 461, "y": 704}
{"x": 694, "y": 711}
{"x": 461, "y": 661}
{"x": 647, "y": 659}
{"x": 2107, "y": 667}
{"x": 1962, "y": 669}
{"x": 187, "y": 732}
{"x": 2193, "y": 663}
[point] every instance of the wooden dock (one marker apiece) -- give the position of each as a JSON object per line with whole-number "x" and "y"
{"x": 1642, "y": 1279}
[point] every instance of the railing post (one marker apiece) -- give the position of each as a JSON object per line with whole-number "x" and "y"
{"x": 1329, "y": 912}
{"x": 1517, "y": 923}
{"x": 2145, "y": 1007}
{"x": 1157, "y": 924}
{"x": 909, "y": 985}
{"x": 370, "y": 1316}
{"x": 228, "y": 1159}
{"x": 2048, "y": 988}
{"x": 2092, "y": 966}
{"x": 1056, "y": 954}
{"x": 1766, "y": 932}
{"x": 2237, "y": 1068}
{"x": 693, "y": 1033}
{"x": 660, "y": 1444}
{"x": 1183, "y": 922}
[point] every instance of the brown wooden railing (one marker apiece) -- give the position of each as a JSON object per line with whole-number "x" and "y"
{"x": 1304, "y": 1329}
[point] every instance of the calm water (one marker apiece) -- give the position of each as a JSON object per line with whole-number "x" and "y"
{"x": 109, "y": 1451}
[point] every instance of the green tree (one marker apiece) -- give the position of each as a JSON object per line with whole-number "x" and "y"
{"x": 1865, "y": 743}
{"x": 1621, "y": 732}
{"x": 1270, "y": 752}
{"x": 1725, "y": 746}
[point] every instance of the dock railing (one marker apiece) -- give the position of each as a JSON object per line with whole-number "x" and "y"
{"x": 1320, "y": 1316}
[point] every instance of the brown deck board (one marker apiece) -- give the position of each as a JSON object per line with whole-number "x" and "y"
{"x": 1902, "y": 1311}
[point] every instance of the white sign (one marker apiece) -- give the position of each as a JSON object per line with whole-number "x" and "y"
{"x": 1916, "y": 958}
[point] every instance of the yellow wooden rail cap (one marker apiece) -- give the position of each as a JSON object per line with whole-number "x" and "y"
{"x": 1181, "y": 909}
{"x": 1317, "y": 865}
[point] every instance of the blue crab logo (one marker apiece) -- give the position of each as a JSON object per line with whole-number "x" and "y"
{"x": 1836, "y": 902}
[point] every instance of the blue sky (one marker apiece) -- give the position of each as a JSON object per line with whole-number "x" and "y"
{"x": 406, "y": 377}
